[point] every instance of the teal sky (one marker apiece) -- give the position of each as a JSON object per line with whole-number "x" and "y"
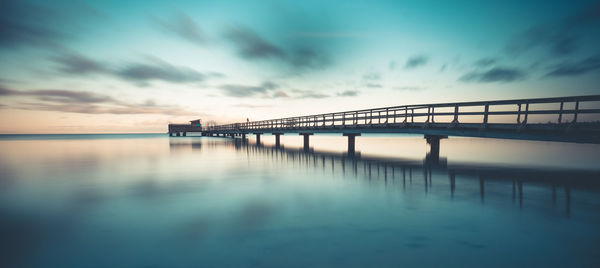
{"x": 134, "y": 66}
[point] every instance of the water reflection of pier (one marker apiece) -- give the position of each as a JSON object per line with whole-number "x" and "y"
{"x": 473, "y": 178}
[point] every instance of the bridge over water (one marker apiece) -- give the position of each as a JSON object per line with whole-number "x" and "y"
{"x": 564, "y": 119}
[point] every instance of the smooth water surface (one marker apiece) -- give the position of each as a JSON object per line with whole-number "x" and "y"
{"x": 155, "y": 201}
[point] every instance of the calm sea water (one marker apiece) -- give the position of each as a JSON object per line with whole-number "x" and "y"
{"x": 154, "y": 201}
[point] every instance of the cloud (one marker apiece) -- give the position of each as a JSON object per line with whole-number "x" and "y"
{"x": 251, "y": 106}
{"x": 497, "y": 74}
{"x": 68, "y": 96}
{"x": 372, "y": 76}
{"x": 240, "y": 91}
{"x": 42, "y": 26}
{"x": 185, "y": 27}
{"x": 416, "y": 61}
{"x": 308, "y": 94}
{"x": 409, "y": 88}
{"x": 251, "y": 46}
{"x": 158, "y": 70}
{"x": 138, "y": 72}
{"x": 560, "y": 37}
{"x": 87, "y": 102}
{"x": 308, "y": 58}
{"x": 348, "y": 93}
{"x": 485, "y": 62}
{"x": 56, "y": 95}
{"x": 373, "y": 85}
{"x": 280, "y": 94}
{"x": 7, "y": 92}
{"x": 575, "y": 68}
{"x": 97, "y": 109}
{"x": 340, "y": 34}
{"x": 26, "y": 24}
{"x": 73, "y": 63}
{"x": 268, "y": 90}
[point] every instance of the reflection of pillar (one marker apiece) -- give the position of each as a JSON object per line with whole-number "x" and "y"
{"x": 514, "y": 191}
{"x": 452, "y": 183}
{"x": 568, "y": 199}
{"x": 277, "y": 140}
{"x": 554, "y": 193}
{"x": 434, "y": 148}
{"x": 258, "y": 138}
{"x": 481, "y": 188}
{"x": 520, "y": 188}
{"x": 426, "y": 180}
{"x": 351, "y": 142}
{"x": 306, "y": 144}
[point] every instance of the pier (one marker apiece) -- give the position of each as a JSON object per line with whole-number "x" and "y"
{"x": 562, "y": 119}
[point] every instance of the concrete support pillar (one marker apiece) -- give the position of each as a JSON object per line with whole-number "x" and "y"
{"x": 434, "y": 147}
{"x": 170, "y": 134}
{"x": 351, "y": 142}
{"x": 258, "y": 138}
{"x": 178, "y": 134}
{"x": 306, "y": 143}
{"x": 184, "y": 134}
{"x": 277, "y": 140}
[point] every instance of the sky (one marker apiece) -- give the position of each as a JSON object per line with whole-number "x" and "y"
{"x": 135, "y": 66}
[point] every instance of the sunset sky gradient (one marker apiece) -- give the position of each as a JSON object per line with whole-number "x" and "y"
{"x": 134, "y": 66}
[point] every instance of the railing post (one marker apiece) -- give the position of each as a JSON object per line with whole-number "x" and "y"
{"x": 412, "y": 115}
{"x": 387, "y": 115}
{"x": 344, "y": 119}
{"x": 379, "y": 117}
{"x": 333, "y": 120}
{"x": 433, "y": 114}
{"x": 526, "y": 113}
{"x": 561, "y": 111}
{"x": 394, "y": 116}
{"x": 576, "y": 112}
{"x": 455, "y": 120}
{"x": 485, "y": 115}
{"x": 405, "y": 114}
{"x": 519, "y": 114}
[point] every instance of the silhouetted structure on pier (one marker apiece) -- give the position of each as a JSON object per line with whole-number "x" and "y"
{"x": 183, "y": 129}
